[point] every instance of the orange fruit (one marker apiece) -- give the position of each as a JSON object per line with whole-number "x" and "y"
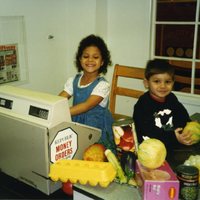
{"x": 95, "y": 152}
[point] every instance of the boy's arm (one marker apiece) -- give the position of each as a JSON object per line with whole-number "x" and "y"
{"x": 184, "y": 137}
{"x": 138, "y": 118}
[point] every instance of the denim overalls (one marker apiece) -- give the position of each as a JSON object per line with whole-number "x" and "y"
{"x": 98, "y": 116}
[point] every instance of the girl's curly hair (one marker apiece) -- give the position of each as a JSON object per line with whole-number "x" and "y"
{"x": 98, "y": 42}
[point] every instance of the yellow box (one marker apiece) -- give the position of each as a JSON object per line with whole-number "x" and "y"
{"x": 91, "y": 172}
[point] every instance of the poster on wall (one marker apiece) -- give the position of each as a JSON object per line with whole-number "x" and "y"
{"x": 9, "y": 69}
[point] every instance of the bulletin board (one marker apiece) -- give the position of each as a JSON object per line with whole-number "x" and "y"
{"x": 13, "y": 55}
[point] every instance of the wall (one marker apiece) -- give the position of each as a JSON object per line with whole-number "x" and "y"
{"x": 50, "y": 62}
{"x": 129, "y": 31}
{"x": 125, "y": 26}
{"x": 129, "y": 40}
{"x": 129, "y": 35}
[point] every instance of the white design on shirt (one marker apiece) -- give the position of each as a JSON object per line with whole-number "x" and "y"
{"x": 170, "y": 121}
{"x": 158, "y": 122}
{"x": 165, "y": 111}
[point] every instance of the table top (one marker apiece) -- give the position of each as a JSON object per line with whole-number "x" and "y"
{"x": 113, "y": 191}
{"x": 117, "y": 191}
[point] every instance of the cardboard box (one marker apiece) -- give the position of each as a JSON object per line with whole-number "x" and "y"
{"x": 125, "y": 135}
{"x": 157, "y": 184}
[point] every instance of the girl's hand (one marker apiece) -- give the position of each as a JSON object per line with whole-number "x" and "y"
{"x": 184, "y": 137}
{"x": 64, "y": 94}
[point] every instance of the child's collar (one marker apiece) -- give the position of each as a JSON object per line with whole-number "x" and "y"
{"x": 156, "y": 99}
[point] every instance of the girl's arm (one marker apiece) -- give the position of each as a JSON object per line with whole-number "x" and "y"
{"x": 64, "y": 94}
{"x": 91, "y": 102}
{"x": 98, "y": 96}
{"x": 68, "y": 87}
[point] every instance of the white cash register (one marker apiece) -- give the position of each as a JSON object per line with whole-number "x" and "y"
{"x": 35, "y": 131}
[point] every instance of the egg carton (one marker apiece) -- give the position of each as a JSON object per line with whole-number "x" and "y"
{"x": 82, "y": 171}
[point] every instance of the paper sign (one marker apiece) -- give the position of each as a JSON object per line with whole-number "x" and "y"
{"x": 64, "y": 145}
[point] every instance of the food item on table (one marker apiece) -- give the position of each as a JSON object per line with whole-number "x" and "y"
{"x": 125, "y": 135}
{"x": 193, "y": 160}
{"x": 83, "y": 171}
{"x": 118, "y": 133}
{"x": 95, "y": 152}
{"x": 68, "y": 188}
{"x": 132, "y": 182}
{"x": 127, "y": 162}
{"x": 193, "y": 127}
{"x": 156, "y": 174}
{"x": 127, "y": 141}
{"x": 152, "y": 153}
{"x": 116, "y": 164}
{"x": 188, "y": 177}
{"x": 189, "y": 193}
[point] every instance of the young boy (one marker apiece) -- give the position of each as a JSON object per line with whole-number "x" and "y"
{"x": 158, "y": 113}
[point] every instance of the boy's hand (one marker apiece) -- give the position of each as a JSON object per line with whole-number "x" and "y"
{"x": 184, "y": 137}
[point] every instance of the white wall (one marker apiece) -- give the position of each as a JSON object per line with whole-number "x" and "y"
{"x": 129, "y": 35}
{"x": 50, "y": 62}
{"x": 129, "y": 39}
{"x": 129, "y": 31}
{"x": 125, "y": 26}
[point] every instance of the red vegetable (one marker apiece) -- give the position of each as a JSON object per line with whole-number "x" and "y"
{"x": 68, "y": 188}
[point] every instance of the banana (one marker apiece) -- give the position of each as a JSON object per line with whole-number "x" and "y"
{"x": 114, "y": 161}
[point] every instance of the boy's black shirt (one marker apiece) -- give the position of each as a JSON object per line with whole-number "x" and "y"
{"x": 159, "y": 119}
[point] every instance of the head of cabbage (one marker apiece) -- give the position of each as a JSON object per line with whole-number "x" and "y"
{"x": 194, "y": 128}
{"x": 152, "y": 153}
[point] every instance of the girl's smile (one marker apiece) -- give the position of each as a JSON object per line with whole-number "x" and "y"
{"x": 91, "y": 59}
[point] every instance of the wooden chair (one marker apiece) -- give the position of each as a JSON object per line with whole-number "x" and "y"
{"x": 126, "y": 72}
{"x": 136, "y": 73}
{"x": 183, "y": 76}
{"x": 187, "y": 80}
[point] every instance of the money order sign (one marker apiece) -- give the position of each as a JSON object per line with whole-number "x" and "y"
{"x": 64, "y": 145}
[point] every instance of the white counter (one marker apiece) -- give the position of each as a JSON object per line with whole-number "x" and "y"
{"x": 114, "y": 191}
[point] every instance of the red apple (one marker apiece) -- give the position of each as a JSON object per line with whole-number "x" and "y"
{"x": 126, "y": 146}
{"x": 128, "y": 134}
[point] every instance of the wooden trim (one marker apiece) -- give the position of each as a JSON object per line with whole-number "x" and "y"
{"x": 126, "y": 72}
{"x": 186, "y": 80}
{"x": 138, "y": 74}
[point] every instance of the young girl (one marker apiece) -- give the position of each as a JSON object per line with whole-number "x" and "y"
{"x": 89, "y": 88}
{"x": 158, "y": 113}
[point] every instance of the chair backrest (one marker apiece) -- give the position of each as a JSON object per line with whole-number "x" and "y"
{"x": 183, "y": 76}
{"x": 136, "y": 73}
{"x": 185, "y": 80}
{"x": 126, "y": 72}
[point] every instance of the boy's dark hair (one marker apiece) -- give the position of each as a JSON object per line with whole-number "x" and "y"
{"x": 98, "y": 42}
{"x": 158, "y": 66}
